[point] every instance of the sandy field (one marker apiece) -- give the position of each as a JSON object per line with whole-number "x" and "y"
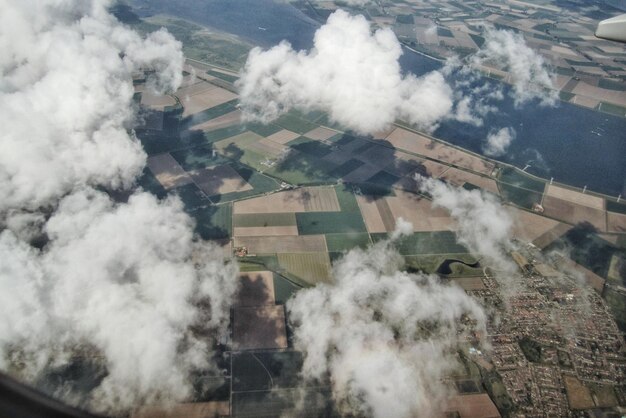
{"x": 229, "y": 119}
{"x": 283, "y": 244}
{"x": 616, "y": 222}
{"x": 420, "y": 212}
{"x": 186, "y": 410}
{"x": 530, "y": 226}
{"x": 167, "y": 171}
{"x": 473, "y": 406}
{"x": 263, "y": 231}
{"x": 573, "y": 213}
{"x": 459, "y": 177}
{"x": 575, "y": 197}
{"x": 306, "y": 199}
{"x": 282, "y": 137}
{"x": 371, "y": 216}
{"x": 220, "y": 179}
{"x": 320, "y": 134}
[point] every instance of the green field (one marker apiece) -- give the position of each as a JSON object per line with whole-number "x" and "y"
{"x": 283, "y": 289}
{"x": 310, "y": 223}
{"x": 226, "y": 77}
{"x": 295, "y": 123}
{"x": 346, "y": 168}
{"x": 311, "y": 267}
{"x": 347, "y": 200}
{"x": 345, "y": 242}
{"x": 441, "y": 242}
{"x": 302, "y": 169}
{"x": 519, "y": 188}
{"x": 213, "y": 222}
{"x": 310, "y": 146}
{"x": 197, "y": 157}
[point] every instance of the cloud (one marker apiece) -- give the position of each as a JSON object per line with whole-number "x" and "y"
{"x": 125, "y": 284}
{"x": 498, "y": 142}
{"x": 528, "y": 71}
{"x": 351, "y": 73}
{"x": 484, "y": 224}
{"x": 65, "y": 96}
{"x": 124, "y": 280}
{"x": 385, "y": 338}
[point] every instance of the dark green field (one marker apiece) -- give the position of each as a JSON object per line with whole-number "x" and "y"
{"x": 329, "y": 223}
{"x": 213, "y": 222}
{"x": 520, "y": 189}
{"x": 442, "y": 242}
{"x": 264, "y": 219}
{"x": 345, "y": 242}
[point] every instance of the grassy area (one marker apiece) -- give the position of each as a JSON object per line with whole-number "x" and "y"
{"x": 345, "y": 242}
{"x": 310, "y": 223}
{"x": 347, "y": 200}
{"x": 283, "y": 289}
{"x": 267, "y": 370}
{"x": 310, "y": 267}
{"x": 519, "y": 188}
{"x": 295, "y": 123}
{"x": 199, "y": 43}
{"x": 213, "y": 222}
{"x": 303, "y": 169}
{"x": 225, "y": 77}
{"x": 440, "y": 242}
{"x": 310, "y": 146}
{"x": 612, "y": 109}
{"x": 531, "y": 349}
{"x": 264, "y": 219}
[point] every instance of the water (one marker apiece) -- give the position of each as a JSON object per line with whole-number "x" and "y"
{"x": 574, "y": 145}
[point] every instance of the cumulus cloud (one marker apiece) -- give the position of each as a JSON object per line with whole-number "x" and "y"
{"x": 65, "y": 93}
{"x": 484, "y": 224}
{"x": 498, "y": 142}
{"x": 124, "y": 280}
{"x": 351, "y": 73}
{"x": 385, "y": 338}
{"x": 529, "y": 75}
{"x": 127, "y": 284}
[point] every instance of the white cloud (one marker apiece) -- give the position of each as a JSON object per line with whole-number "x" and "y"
{"x": 351, "y": 73}
{"x": 498, "y": 142}
{"x": 65, "y": 96}
{"x": 484, "y": 224}
{"x": 125, "y": 279}
{"x": 126, "y": 282}
{"x": 385, "y": 337}
{"x": 529, "y": 75}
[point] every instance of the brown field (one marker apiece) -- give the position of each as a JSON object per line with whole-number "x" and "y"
{"x": 473, "y": 406}
{"x": 431, "y": 169}
{"x": 264, "y": 231}
{"x": 256, "y": 289}
{"x": 283, "y": 244}
{"x": 212, "y": 409}
{"x": 470, "y": 283}
{"x": 266, "y": 147}
{"x": 320, "y": 199}
{"x": 403, "y": 164}
{"x": 578, "y": 395}
{"x": 261, "y": 327}
{"x": 575, "y": 197}
{"x": 167, "y": 171}
{"x": 195, "y": 86}
{"x": 549, "y": 236}
{"x": 305, "y": 199}
{"x": 219, "y": 122}
{"x": 573, "y": 213}
{"x": 420, "y": 212}
{"x": 204, "y": 98}
{"x": 282, "y": 137}
{"x": 528, "y": 225}
{"x": 320, "y": 134}
{"x": 546, "y": 271}
{"x": 219, "y": 179}
{"x": 156, "y": 101}
{"x": 371, "y": 215}
{"x": 419, "y": 144}
{"x": 616, "y": 222}
{"x": 460, "y": 177}
{"x": 242, "y": 140}
{"x": 311, "y": 267}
